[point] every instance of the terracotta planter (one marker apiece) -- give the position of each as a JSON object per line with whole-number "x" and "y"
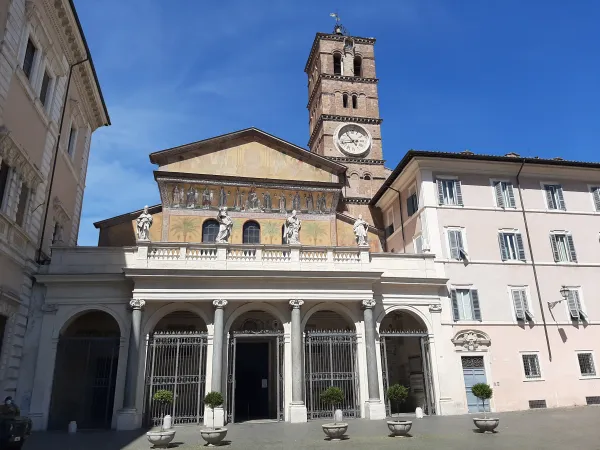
{"x": 213, "y": 436}
{"x": 489, "y": 424}
{"x": 399, "y": 428}
{"x": 160, "y": 439}
{"x": 335, "y": 431}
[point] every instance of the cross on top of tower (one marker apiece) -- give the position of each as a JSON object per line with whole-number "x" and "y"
{"x": 338, "y": 28}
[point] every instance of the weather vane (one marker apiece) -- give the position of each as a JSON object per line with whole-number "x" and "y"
{"x": 339, "y": 28}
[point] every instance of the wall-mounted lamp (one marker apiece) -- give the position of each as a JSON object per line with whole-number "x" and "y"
{"x": 564, "y": 292}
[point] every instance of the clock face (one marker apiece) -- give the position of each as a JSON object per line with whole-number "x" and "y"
{"x": 353, "y": 139}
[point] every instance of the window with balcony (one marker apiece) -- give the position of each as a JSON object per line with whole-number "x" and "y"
{"x": 511, "y": 246}
{"x": 449, "y": 192}
{"x": 586, "y": 364}
{"x": 521, "y": 305}
{"x": 531, "y": 366}
{"x": 555, "y": 199}
{"x": 563, "y": 248}
{"x": 465, "y": 305}
{"x": 505, "y": 197}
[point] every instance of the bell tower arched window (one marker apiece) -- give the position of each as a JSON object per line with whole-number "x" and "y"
{"x": 251, "y": 233}
{"x": 357, "y": 66}
{"x": 210, "y": 229}
{"x": 354, "y": 101}
{"x": 337, "y": 64}
{"x": 345, "y": 100}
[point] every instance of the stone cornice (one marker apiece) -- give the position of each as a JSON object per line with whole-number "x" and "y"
{"x": 356, "y": 200}
{"x": 333, "y": 37}
{"x": 350, "y": 159}
{"x": 336, "y": 118}
{"x": 72, "y": 41}
{"x": 327, "y": 76}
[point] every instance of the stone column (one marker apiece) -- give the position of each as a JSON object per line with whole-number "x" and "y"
{"x": 216, "y": 383}
{"x": 129, "y": 418}
{"x": 297, "y": 407}
{"x": 375, "y": 408}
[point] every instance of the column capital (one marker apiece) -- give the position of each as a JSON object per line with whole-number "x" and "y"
{"x": 368, "y": 303}
{"x": 296, "y": 303}
{"x": 220, "y": 303}
{"x": 137, "y": 303}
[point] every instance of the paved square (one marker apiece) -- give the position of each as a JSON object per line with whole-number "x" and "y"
{"x": 572, "y": 428}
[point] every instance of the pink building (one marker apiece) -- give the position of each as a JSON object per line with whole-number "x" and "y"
{"x": 518, "y": 239}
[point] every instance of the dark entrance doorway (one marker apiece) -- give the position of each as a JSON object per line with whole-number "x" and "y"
{"x": 252, "y": 381}
{"x": 85, "y": 373}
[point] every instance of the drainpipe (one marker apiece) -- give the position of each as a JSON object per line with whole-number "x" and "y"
{"x": 537, "y": 283}
{"x": 41, "y": 259}
{"x": 401, "y": 221}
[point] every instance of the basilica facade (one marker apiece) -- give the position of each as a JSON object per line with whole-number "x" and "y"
{"x": 269, "y": 273}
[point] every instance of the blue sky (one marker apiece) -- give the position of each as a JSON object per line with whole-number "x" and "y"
{"x": 492, "y": 76}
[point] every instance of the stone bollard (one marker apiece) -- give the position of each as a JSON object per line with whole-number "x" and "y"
{"x": 338, "y": 416}
{"x": 419, "y": 412}
{"x": 167, "y": 422}
{"x": 72, "y": 427}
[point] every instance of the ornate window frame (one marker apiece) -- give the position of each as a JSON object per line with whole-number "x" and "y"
{"x": 471, "y": 340}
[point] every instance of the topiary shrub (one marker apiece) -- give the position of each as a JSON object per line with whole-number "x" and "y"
{"x": 332, "y": 396}
{"x": 397, "y": 394}
{"x": 483, "y": 392}
{"x": 164, "y": 398}
{"x": 213, "y": 400}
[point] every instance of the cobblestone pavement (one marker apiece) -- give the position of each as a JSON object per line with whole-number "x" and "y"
{"x": 565, "y": 428}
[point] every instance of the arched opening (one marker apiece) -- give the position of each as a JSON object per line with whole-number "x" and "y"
{"x": 251, "y": 232}
{"x": 345, "y": 100}
{"x": 255, "y": 378}
{"x": 354, "y": 101}
{"x": 176, "y": 361}
{"x": 357, "y": 66}
{"x": 330, "y": 360}
{"x": 405, "y": 360}
{"x": 210, "y": 229}
{"x": 85, "y": 373}
{"x": 337, "y": 64}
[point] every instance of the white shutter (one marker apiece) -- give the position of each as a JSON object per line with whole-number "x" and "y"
{"x": 459, "y": 198}
{"x": 511, "y": 195}
{"x": 440, "y": 188}
{"x": 453, "y": 236}
{"x": 499, "y": 196}
{"x": 503, "y": 250}
{"x": 518, "y": 302}
{"x": 561, "y": 199}
{"x": 573, "y": 304}
{"x": 550, "y": 197}
{"x": 596, "y": 195}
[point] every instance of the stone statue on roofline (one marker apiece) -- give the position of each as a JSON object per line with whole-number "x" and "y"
{"x": 144, "y": 222}
{"x": 361, "y": 228}
{"x": 225, "y": 226}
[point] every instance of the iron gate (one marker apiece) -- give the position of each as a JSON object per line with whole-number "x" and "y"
{"x": 84, "y": 382}
{"x": 429, "y": 406}
{"x": 330, "y": 360}
{"x": 176, "y": 361}
{"x": 279, "y": 341}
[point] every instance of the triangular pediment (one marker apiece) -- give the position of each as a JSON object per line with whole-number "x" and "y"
{"x": 249, "y": 153}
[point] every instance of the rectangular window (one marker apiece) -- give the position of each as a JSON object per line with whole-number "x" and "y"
{"x": 30, "y": 52}
{"x": 596, "y": 195}
{"x": 505, "y": 196}
{"x": 554, "y": 197}
{"x": 531, "y": 365}
{"x": 45, "y": 87}
{"x": 456, "y": 244}
{"x": 465, "y": 304}
{"x": 449, "y": 192}
{"x": 389, "y": 229}
{"x": 586, "y": 364}
{"x": 511, "y": 246}
{"x": 575, "y": 305}
{"x": 72, "y": 140}
{"x": 563, "y": 248}
{"x": 521, "y": 304}
{"x": 4, "y": 170}
{"x": 412, "y": 204}
{"x": 22, "y": 206}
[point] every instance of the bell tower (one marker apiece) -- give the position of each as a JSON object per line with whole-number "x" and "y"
{"x": 343, "y": 107}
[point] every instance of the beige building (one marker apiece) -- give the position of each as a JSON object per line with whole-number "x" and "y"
{"x": 40, "y": 40}
{"x": 518, "y": 239}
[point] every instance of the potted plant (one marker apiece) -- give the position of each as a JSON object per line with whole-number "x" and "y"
{"x": 213, "y": 435}
{"x": 484, "y": 392}
{"x": 333, "y": 396}
{"x": 398, "y": 394}
{"x": 162, "y": 437}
